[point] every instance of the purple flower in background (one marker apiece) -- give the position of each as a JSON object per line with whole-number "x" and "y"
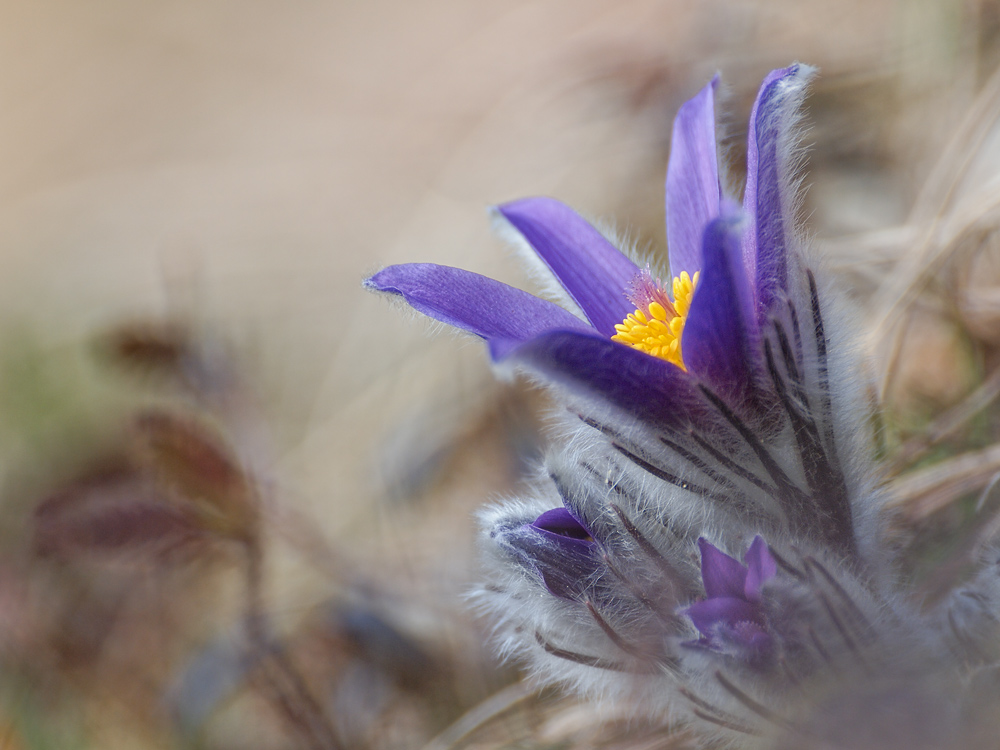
{"x": 731, "y": 617}
{"x": 645, "y": 348}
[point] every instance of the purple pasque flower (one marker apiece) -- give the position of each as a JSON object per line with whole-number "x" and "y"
{"x": 717, "y": 405}
{"x": 731, "y": 618}
{"x": 729, "y": 268}
{"x": 732, "y": 354}
{"x": 723, "y": 405}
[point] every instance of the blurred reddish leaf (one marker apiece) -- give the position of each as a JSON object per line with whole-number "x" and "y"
{"x": 188, "y": 459}
{"x": 113, "y": 511}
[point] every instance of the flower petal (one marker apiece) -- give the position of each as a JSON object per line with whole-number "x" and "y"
{"x": 650, "y": 389}
{"x": 592, "y": 270}
{"x": 761, "y": 567}
{"x": 722, "y": 575}
{"x": 769, "y": 197}
{"x": 692, "y": 180}
{"x": 720, "y": 325}
{"x": 709, "y": 614}
{"x": 567, "y": 566}
{"x": 472, "y": 302}
{"x": 560, "y": 521}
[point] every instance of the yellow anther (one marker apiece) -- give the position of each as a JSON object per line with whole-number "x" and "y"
{"x": 658, "y": 328}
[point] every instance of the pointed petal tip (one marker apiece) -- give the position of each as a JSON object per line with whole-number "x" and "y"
{"x": 370, "y": 282}
{"x": 692, "y": 186}
{"x": 521, "y": 212}
{"x": 758, "y": 543}
{"x": 722, "y": 575}
{"x": 803, "y": 70}
{"x": 520, "y": 205}
{"x": 785, "y": 85}
{"x": 771, "y": 195}
{"x": 397, "y": 278}
{"x": 373, "y": 283}
{"x": 477, "y": 304}
{"x": 796, "y": 72}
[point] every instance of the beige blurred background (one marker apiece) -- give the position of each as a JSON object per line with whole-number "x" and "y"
{"x": 251, "y": 162}
{"x": 244, "y": 165}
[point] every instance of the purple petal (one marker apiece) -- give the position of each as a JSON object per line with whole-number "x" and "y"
{"x": 567, "y": 545}
{"x": 720, "y": 327}
{"x": 692, "y": 180}
{"x": 768, "y": 199}
{"x": 761, "y": 567}
{"x": 567, "y": 566}
{"x": 560, "y": 521}
{"x": 709, "y": 614}
{"x": 722, "y": 575}
{"x": 472, "y": 302}
{"x": 651, "y": 389}
{"x": 592, "y": 270}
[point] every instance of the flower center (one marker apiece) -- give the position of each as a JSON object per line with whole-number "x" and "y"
{"x": 658, "y": 322}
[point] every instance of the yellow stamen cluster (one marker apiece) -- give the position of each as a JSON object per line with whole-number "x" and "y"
{"x": 657, "y": 329}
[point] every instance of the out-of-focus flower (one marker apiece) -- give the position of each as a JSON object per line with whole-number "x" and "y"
{"x": 731, "y": 617}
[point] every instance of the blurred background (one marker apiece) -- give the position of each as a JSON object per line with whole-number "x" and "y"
{"x": 238, "y": 493}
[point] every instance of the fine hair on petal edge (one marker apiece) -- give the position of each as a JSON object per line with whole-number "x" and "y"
{"x": 795, "y": 149}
